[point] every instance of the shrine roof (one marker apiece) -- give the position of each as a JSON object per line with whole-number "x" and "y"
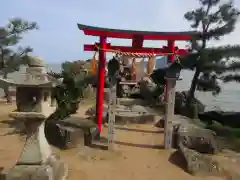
{"x": 130, "y": 34}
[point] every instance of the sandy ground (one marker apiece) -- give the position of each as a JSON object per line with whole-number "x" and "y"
{"x": 139, "y": 154}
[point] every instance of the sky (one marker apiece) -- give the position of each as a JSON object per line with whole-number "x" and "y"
{"x": 59, "y": 39}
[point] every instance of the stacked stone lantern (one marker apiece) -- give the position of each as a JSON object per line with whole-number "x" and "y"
{"x": 33, "y": 100}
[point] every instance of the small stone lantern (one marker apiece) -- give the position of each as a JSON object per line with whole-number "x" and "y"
{"x": 33, "y": 100}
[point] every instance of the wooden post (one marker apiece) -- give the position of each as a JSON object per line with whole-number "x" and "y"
{"x": 169, "y": 114}
{"x": 111, "y": 116}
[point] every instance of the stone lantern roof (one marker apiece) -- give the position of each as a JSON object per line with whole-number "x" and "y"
{"x": 35, "y": 76}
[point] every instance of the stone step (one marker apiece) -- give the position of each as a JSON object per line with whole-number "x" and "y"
{"x": 135, "y": 118}
{"x": 130, "y": 102}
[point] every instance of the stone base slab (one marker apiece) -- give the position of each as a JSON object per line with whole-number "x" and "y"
{"x": 54, "y": 170}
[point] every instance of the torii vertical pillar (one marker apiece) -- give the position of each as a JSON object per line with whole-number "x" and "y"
{"x": 101, "y": 80}
{"x": 170, "y": 101}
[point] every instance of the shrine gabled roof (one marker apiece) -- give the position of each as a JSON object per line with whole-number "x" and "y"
{"x": 130, "y": 34}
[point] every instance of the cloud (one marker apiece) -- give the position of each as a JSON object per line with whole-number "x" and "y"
{"x": 59, "y": 39}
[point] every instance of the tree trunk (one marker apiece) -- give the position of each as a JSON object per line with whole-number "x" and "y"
{"x": 6, "y": 91}
{"x": 192, "y": 107}
{"x": 192, "y": 90}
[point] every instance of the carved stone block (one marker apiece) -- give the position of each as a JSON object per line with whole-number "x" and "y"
{"x": 69, "y": 136}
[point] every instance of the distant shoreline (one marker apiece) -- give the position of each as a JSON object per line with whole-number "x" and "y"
{"x": 227, "y": 100}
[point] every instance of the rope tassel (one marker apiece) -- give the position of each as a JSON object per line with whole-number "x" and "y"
{"x": 94, "y": 64}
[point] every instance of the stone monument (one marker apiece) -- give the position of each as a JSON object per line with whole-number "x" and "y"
{"x": 33, "y": 100}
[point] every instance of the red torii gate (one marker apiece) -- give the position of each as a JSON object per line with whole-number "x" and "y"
{"x": 137, "y": 47}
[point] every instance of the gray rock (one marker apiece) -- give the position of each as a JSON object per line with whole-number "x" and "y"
{"x": 92, "y": 111}
{"x": 135, "y": 118}
{"x": 142, "y": 109}
{"x": 147, "y": 87}
{"x": 225, "y": 165}
{"x": 197, "y": 163}
{"x": 197, "y": 138}
{"x": 181, "y": 104}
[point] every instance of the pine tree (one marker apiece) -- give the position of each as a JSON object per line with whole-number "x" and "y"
{"x": 12, "y": 55}
{"x": 68, "y": 95}
{"x": 212, "y": 20}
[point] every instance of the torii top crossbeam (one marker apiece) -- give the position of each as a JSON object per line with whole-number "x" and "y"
{"x": 137, "y": 40}
{"x": 137, "y": 47}
{"x": 130, "y": 34}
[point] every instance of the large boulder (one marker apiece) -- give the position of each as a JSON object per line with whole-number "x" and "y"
{"x": 197, "y": 138}
{"x": 92, "y": 112}
{"x": 198, "y": 163}
{"x": 225, "y": 164}
{"x": 147, "y": 88}
{"x": 196, "y": 145}
{"x": 181, "y": 104}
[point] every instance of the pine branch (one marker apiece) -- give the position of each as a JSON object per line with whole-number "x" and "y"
{"x": 19, "y": 26}
{"x": 211, "y": 23}
{"x": 227, "y": 51}
{"x": 235, "y": 66}
{"x": 208, "y": 82}
{"x": 230, "y": 78}
{"x": 55, "y": 75}
{"x": 10, "y": 35}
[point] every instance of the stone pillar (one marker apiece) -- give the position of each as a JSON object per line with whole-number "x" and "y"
{"x": 169, "y": 114}
{"x": 52, "y": 100}
{"x": 36, "y": 160}
{"x": 36, "y": 149}
{"x": 41, "y": 100}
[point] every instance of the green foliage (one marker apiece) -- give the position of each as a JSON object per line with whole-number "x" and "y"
{"x": 11, "y": 55}
{"x": 158, "y": 77}
{"x": 113, "y": 66}
{"x": 158, "y": 91}
{"x": 212, "y": 20}
{"x": 224, "y": 130}
{"x": 229, "y": 136}
{"x": 72, "y": 90}
{"x": 231, "y": 77}
{"x": 74, "y": 68}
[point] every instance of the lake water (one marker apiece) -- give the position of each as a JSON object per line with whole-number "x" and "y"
{"x": 228, "y": 99}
